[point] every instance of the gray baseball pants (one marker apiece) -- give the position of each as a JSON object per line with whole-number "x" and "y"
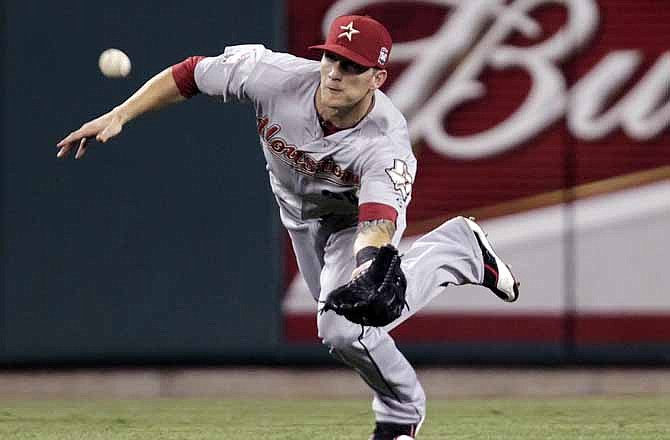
{"x": 447, "y": 254}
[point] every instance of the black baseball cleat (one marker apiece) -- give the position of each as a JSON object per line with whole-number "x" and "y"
{"x": 393, "y": 431}
{"x": 497, "y": 275}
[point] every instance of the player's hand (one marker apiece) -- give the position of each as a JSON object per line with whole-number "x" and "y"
{"x": 360, "y": 269}
{"x": 102, "y": 128}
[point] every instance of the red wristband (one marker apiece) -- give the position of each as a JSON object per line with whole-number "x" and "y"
{"x": 376, "y": 211}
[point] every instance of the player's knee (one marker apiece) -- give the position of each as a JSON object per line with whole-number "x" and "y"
{"x": 339, "y": 341}
{"x": 337, "y": 332}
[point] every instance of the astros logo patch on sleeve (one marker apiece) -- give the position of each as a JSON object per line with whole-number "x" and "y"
{"x": 401, "y": 178}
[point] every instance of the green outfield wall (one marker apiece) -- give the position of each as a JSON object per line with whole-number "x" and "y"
{"x": 164, "y": 246}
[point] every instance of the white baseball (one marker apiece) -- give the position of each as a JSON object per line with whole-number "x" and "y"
{"x": 114, "y": 63}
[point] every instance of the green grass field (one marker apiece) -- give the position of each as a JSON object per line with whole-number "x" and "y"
{"x": 173, "y": 419}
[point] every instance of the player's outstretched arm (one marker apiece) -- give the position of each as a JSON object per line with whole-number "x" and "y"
{"x": 158, "y": 92}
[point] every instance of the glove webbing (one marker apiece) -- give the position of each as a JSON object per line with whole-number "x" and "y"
{"x": 389, "y": 275}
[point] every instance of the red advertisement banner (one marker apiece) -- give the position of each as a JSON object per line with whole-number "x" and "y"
{"x": 517, "y": 105}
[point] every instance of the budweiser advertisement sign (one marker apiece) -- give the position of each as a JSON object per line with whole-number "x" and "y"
{"x": 530, "y": 114}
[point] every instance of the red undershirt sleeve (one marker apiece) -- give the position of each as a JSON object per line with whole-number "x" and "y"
{"x": 376, "y": 211}
{"x": 184, "y": 75}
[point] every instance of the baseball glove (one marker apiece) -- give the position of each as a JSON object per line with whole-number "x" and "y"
{"x": 376, "y": 296}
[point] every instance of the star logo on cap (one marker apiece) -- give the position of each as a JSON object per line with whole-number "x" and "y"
{"x": 350, "y": 31}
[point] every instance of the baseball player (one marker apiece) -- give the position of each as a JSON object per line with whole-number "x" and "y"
{"x": 341, "y": 168}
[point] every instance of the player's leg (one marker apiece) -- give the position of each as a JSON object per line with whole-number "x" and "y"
{"x": 399, "y": 398}
{"x": 456, "y": 252}
{"x": 308, "y": 244}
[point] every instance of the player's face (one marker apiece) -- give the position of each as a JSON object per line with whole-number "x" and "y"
{"x": 345, "y": 83}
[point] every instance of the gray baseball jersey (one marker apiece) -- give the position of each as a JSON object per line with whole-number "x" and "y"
{"x": 314, "y": 176}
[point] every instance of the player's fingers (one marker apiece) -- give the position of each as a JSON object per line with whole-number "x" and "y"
{"x": 75, "y": 136}
{"x": 85, "y": 131}
{"x": 81, "y": 150}
{"x": 63, "y": 142}
{"x": 103, "y": 136}
{"x": 63, "y": 152}
{"x": 109, "y": 132}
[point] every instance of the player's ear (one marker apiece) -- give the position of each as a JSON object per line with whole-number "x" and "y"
{"x": 378, "y": 78}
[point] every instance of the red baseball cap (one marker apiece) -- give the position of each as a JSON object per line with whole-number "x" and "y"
{"x": 359, "y": 38}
